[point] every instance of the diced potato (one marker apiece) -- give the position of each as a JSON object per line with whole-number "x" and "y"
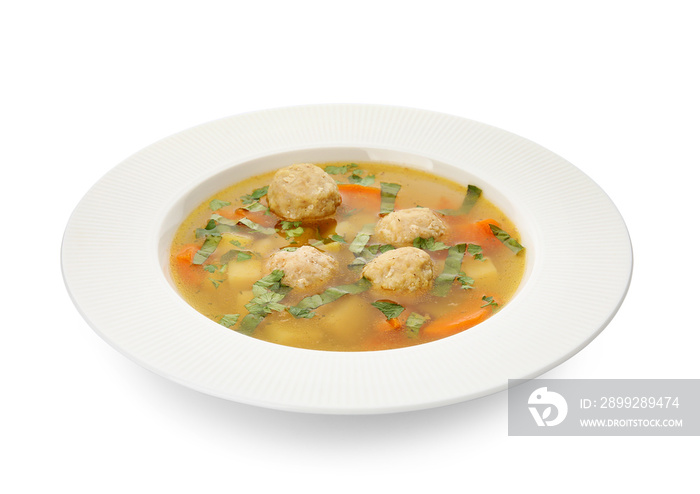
{"x": 343, "y": 318}
{"x": 330, "y": 247}
{"x": 479, "y": 270}
{"x": 230, "y": 239}
{"x": 298, "y": 335}
{"x": 345, "y": 227}
{"x": 246, "y": 272}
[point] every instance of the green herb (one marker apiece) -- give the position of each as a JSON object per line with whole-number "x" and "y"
{"x": 268, "y": 292}
{"x": 389, "y": 309}
{"x": 238, "y": 255}
{"x": 301, "y": 313}
{"x": 213, "y": 268}
{"x": 250, "y": 322}
{"x": 218, "y": 204}
{"x": 507, "y": 240}
{"x": 255, "y": 207}
{"x": 357, "y": 263}
{"x": 377, "y": 249}
{"x": 475, "y": 251}
{"x": 213, "y": 228}
{"x": 292, "y": 229}
{"x": 472, "y": 195}
{"x": 429, "y": 244}
{"x": 229, "y": 320}
{"x": 210, "y": 245}
{"x": 467, "y": 282}
{"x": 271, "y": 281}
{"x": 413, "y": 324}
{"x": 339, "y": 170}
{"x": 389, "y": 192}
{"x": 265, "y": 303}
{"x": 361, "y": 239}
{"x": 289, "y": 249}
{"x": 330, "y": 295}
{"x": 338, "y": 238}
{"x": 255, "y": 195}
{"x": 357, "y": 178}
{"x": 489, "y": 302}
{"x": 453, "y": 263}
{"x": 214, "y": 282}
{"x": 256, "y": 227}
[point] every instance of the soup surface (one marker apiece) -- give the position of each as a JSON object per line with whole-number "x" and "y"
{"x": 386, "y": 257}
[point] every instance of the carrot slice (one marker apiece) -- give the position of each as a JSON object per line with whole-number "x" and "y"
{"x": 477, "y": 232}
{"x": 454, "y": 323}
{"x": 189, "y": 273}
{"x": 360, "y": 196}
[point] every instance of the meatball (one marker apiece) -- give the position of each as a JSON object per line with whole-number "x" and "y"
{"x": 303, "y": 268}
{"x": 303, "y": 192}
{"x": 403, "y": 226}
{"x": 403, "y": 269}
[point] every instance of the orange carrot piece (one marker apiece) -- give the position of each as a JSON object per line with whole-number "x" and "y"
{"x": 360, "y": 196}
{"x": 453, "y": 323}
{"x": 477, "y": 232}
{"x": 191, "y": 274}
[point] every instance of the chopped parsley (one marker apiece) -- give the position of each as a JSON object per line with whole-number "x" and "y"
{"x": 327, "y": 296}
{"x": 218, "y": 204}
{"x": 268, "y": 292}
{"x": 257, "y": 227}
{"x": 507, "y": 240}
{"x": 210, "y": 245}
{"x": 390, "y": 309}
{"x": 238, "y": 255}
{"x": 229, "y": 320}
{"x": 338, "y": 238}
{"x": 255, "y": 195}
{"x": 339, "y": 170}
{"x": 388, "y": 191}
{"x": 467, "y": 282}
{"x": 489, "y": 302}
{"x": 429, "y": 244}
{"x": 475, "y": 251}
{"x": 414, "y": 323}
{"x": 357, "y": 178}
{"x": 453, "y": 263}
{"x": 472, "y": 195}
{"x": 361, "y": 239}
{"x": 292, "y": 229}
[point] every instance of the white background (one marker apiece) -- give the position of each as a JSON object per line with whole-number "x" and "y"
{"x": 610, "y": 86}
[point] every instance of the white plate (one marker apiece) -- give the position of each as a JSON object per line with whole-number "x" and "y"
{"x": 114, "y": 257}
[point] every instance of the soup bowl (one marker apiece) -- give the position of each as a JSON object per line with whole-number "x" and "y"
{"x": 117, "y": 245}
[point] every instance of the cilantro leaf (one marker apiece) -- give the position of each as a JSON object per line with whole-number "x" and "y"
{"x": 301, "y": 313}
{"x": 467, "y": 282}
{"x": 388, "y": 195}
{"x": 229, "y": 320}
{"x": 255, "y": 195}
{"x": 414, "y": 323}
{"x": 208, "y": 248}
{"x": 388, "y": 308}
{"x": 453, "y": 263}
{"x": 429, "y": 244}
{"x": 489, "y": 302}
{"x": 470, "y": 198}
{"x": 218, "y": 204}
{"x": 475, "y": 251}
{"x": 339, "y": 170}
{"x": 507, "y": 240}
{"x": 338, "y": 238}
{"x": 357, "y": 178}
